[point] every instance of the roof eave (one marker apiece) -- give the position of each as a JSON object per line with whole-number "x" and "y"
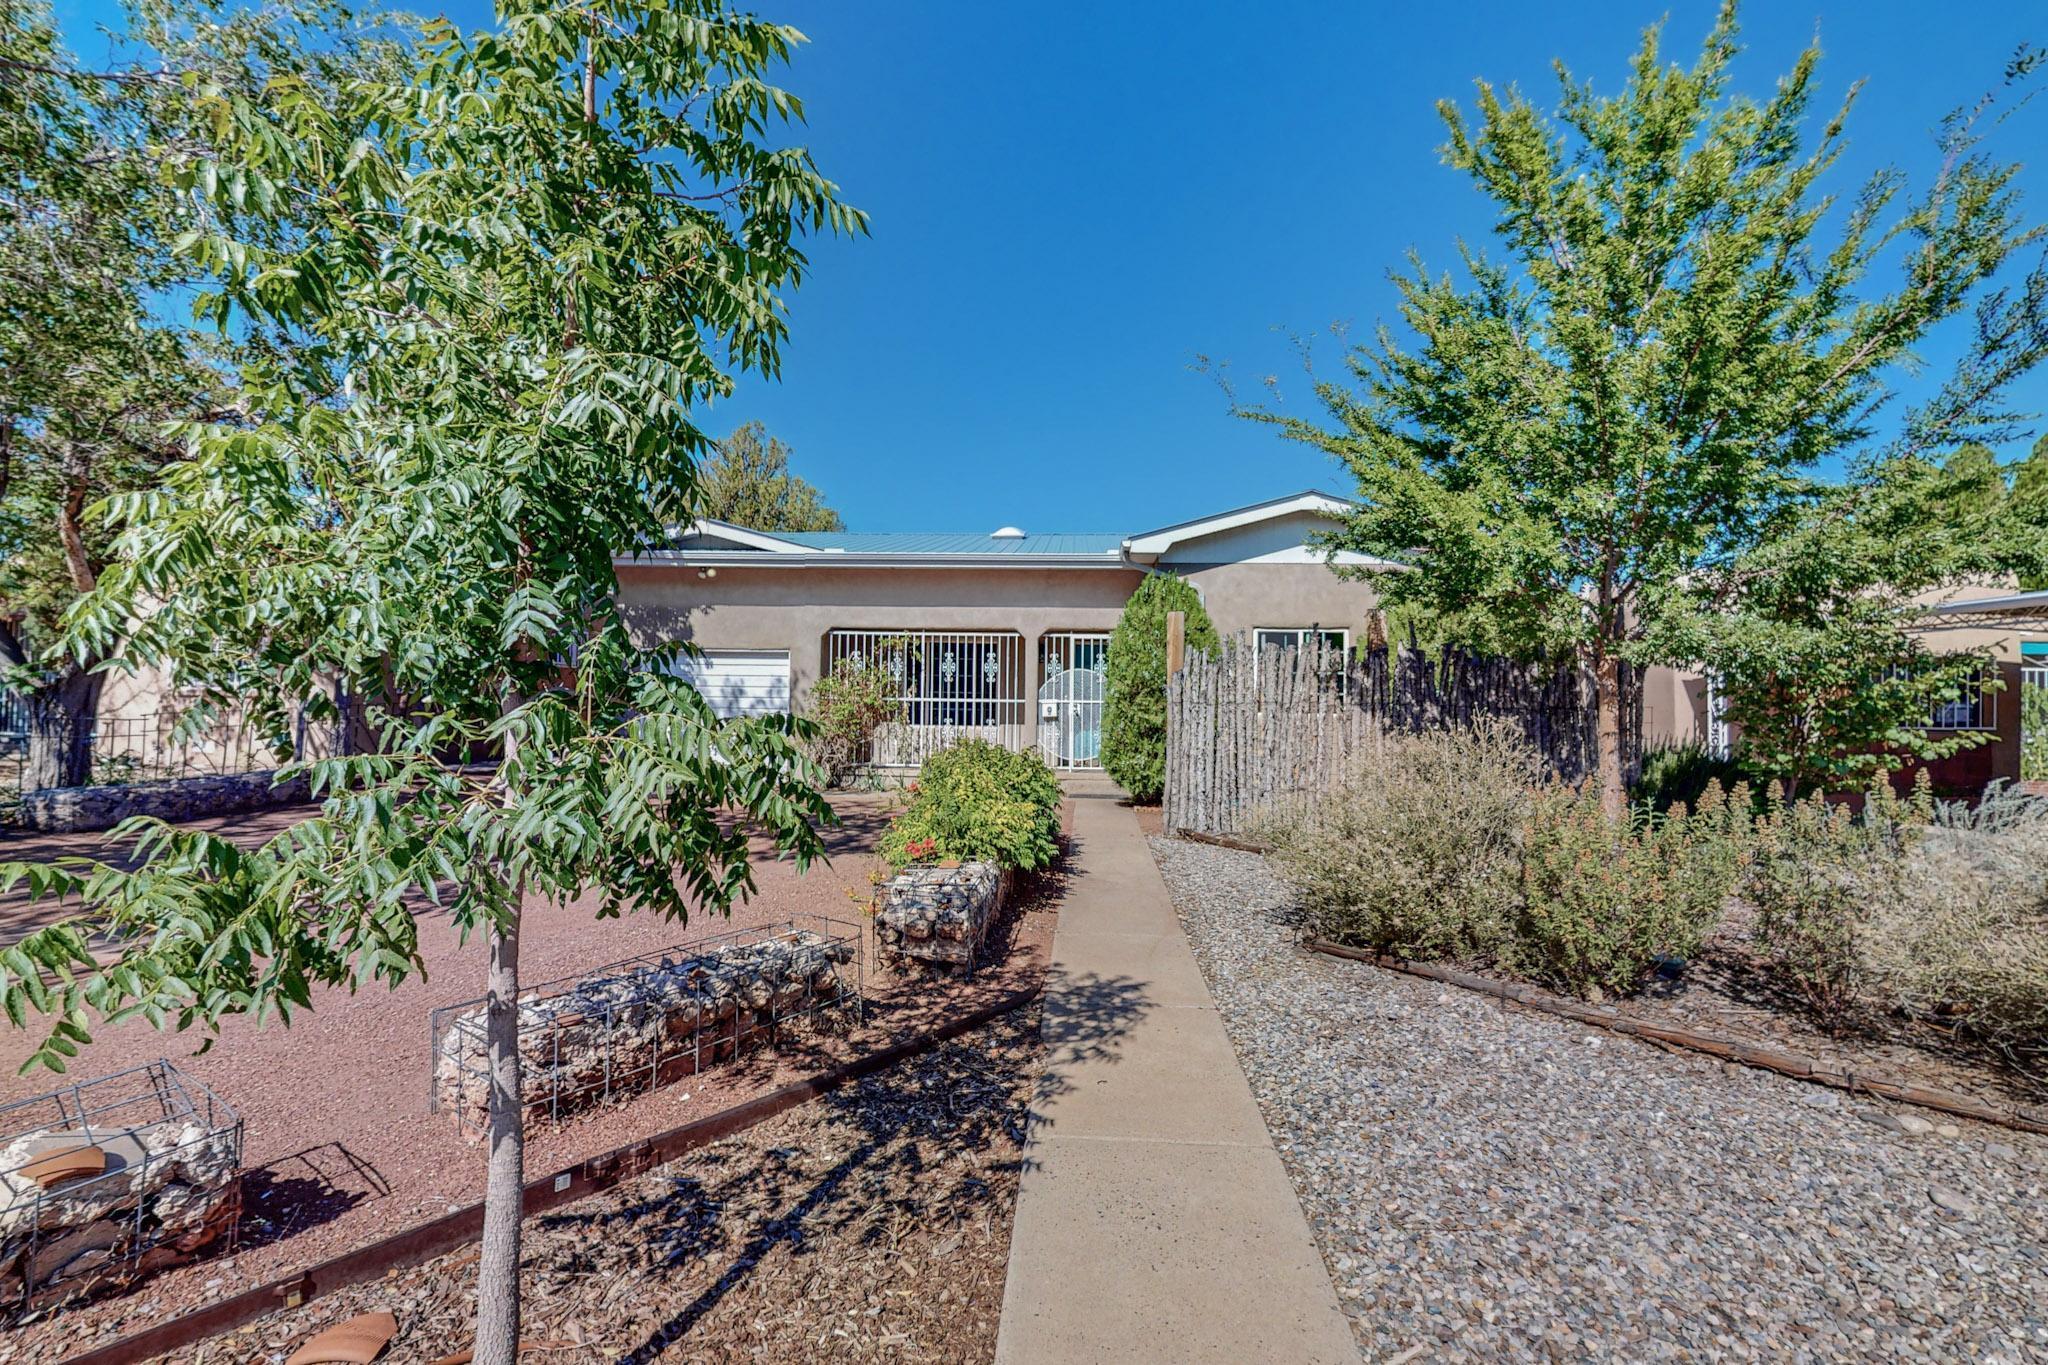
{"x": 850, "y": 559}
{"x": 1158, "y": 542}
{"x": 2019, "y": 603}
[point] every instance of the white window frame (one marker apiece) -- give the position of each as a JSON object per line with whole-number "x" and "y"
{"x": 1260, "y": 645}
{"x": 1259, "y": 634}
{"x": 1978, "y": 711}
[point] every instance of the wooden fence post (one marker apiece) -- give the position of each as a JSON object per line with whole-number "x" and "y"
{"x": 1176, "y": 641}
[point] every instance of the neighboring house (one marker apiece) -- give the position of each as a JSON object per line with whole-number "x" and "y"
{"x": 2011, "y": 627}
{"x": 1002, "y": 635}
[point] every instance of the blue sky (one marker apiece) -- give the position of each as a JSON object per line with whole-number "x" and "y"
{"x": 1070, "y": 202}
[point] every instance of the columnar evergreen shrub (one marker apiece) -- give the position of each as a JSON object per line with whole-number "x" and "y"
{"x": 1134, "y": 699}
{"x": 978, "y": 801}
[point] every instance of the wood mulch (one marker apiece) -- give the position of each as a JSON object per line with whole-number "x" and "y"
{"x": 341, "y": 1150}
{"x": 873, "y": 1225}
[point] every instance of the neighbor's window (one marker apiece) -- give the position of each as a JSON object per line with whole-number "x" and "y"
{"x": 1333, "y": 646}
{"x": 1293, "y": 637}
{"x": 1962, "y": 711}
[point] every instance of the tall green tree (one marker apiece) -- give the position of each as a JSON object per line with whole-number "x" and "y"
{"x": 511, "y": 274}
{"x": 1972, "y": 477}
{"x": 747, "y": 482}
{"x": 91, "y": 369}
{"x": 1134, "y": 690}
{"x": 1676, "y": 335}
{"x": 1823, "y": 637}
{"x": 2030, "y": 500}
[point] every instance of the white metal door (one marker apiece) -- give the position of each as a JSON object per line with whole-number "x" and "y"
{"x": 740, "y": 682}
{"x": 1073, "y": 667}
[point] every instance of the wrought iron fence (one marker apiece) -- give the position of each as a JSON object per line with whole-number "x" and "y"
{"x": 2034, "y": 723}
{"x": 951, "y": 685}
{"x": 124, "y": 749}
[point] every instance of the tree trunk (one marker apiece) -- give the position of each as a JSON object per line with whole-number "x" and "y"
{"x": 60, "y": 726}
{"x": 1607, "y": 735}
{"x": 497, "y": 1281}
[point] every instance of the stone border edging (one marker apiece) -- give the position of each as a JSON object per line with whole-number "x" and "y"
{"x": 592, "y": 1175}
{"x": 2022, "y": 1117}
{"x": 79, "y": 810}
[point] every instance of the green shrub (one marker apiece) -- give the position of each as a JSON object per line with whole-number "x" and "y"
{"x": 1679, "y": 775}
{"x": 848, "y": 705}
{"x": 1134, "y": 697}
{"x": 1818, "y": 877}
{"x": 976, "y": 802}
{"x": 1964, "y": 944}
{"x": 1416, "y": 854}
{"x": 1603, "y": 900}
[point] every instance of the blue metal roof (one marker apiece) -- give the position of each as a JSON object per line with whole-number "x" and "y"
{"x": 953, "y": 542}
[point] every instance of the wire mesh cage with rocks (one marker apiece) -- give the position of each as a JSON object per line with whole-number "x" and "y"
{"x": 111, "y": 1179}
{"x": 644, "y": 1022}
{"x": 937, "y": 915}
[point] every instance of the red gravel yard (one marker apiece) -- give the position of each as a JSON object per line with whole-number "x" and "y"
{"x": 340, "y": 1146}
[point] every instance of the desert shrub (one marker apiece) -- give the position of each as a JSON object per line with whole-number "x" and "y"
{"x": 1603, "y": 900}
{"x": 848, "y": 705}
{"x": 1820, "y": 873}
{"x": 978, "y": 801}
{"x": 1680, "y": 774}
{"x": 1416, "y": 853}
{"x": 1134, "y": 694}
{"x": 1965, "y": 942}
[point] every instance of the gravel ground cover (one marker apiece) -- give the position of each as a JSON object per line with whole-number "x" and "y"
{"x": 1493, "y": 1184}
{"x": 340, "y": 1146}
{"x": 873, "y": 1225}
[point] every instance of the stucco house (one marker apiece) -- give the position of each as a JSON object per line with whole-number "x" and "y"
{"x": 1002, "y": 633}
{"x": 2010, "y": 628}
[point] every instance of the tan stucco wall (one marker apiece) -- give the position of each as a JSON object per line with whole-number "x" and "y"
{"x": 793, "y": 608}
{"x": 1674, "y": 708}
{"x": 1244, "y": 597}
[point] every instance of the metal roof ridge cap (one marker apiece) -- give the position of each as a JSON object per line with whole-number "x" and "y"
{"x": 1080, "y": 559}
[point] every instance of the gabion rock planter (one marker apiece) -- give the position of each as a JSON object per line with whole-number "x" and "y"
{"x": 644, "y": 1022}
{"x": 109, "y": 1180}
{"x": 939, "y": 915}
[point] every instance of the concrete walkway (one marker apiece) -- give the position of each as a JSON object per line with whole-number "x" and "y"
{"x": 1154, "y": 1219}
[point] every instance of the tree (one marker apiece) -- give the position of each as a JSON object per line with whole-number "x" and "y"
{"x": 1134, "y": 692}
{"x": 748, "y": 483}
{"x": 1819, "y": 633}
{"x": 1666, "y": 352}
{"x": 90, "y": 372}
{"x": 511, "y": 275}
{"x": 1972, "y": 482}
{"x": 2030, "y": 500}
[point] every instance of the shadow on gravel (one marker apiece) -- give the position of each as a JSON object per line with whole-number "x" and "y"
{"x": 898, "y": 1139}
{"x": 304, "y": 1190}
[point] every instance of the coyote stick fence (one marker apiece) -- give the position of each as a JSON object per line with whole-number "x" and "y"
{"x": 1250, "y": 729}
